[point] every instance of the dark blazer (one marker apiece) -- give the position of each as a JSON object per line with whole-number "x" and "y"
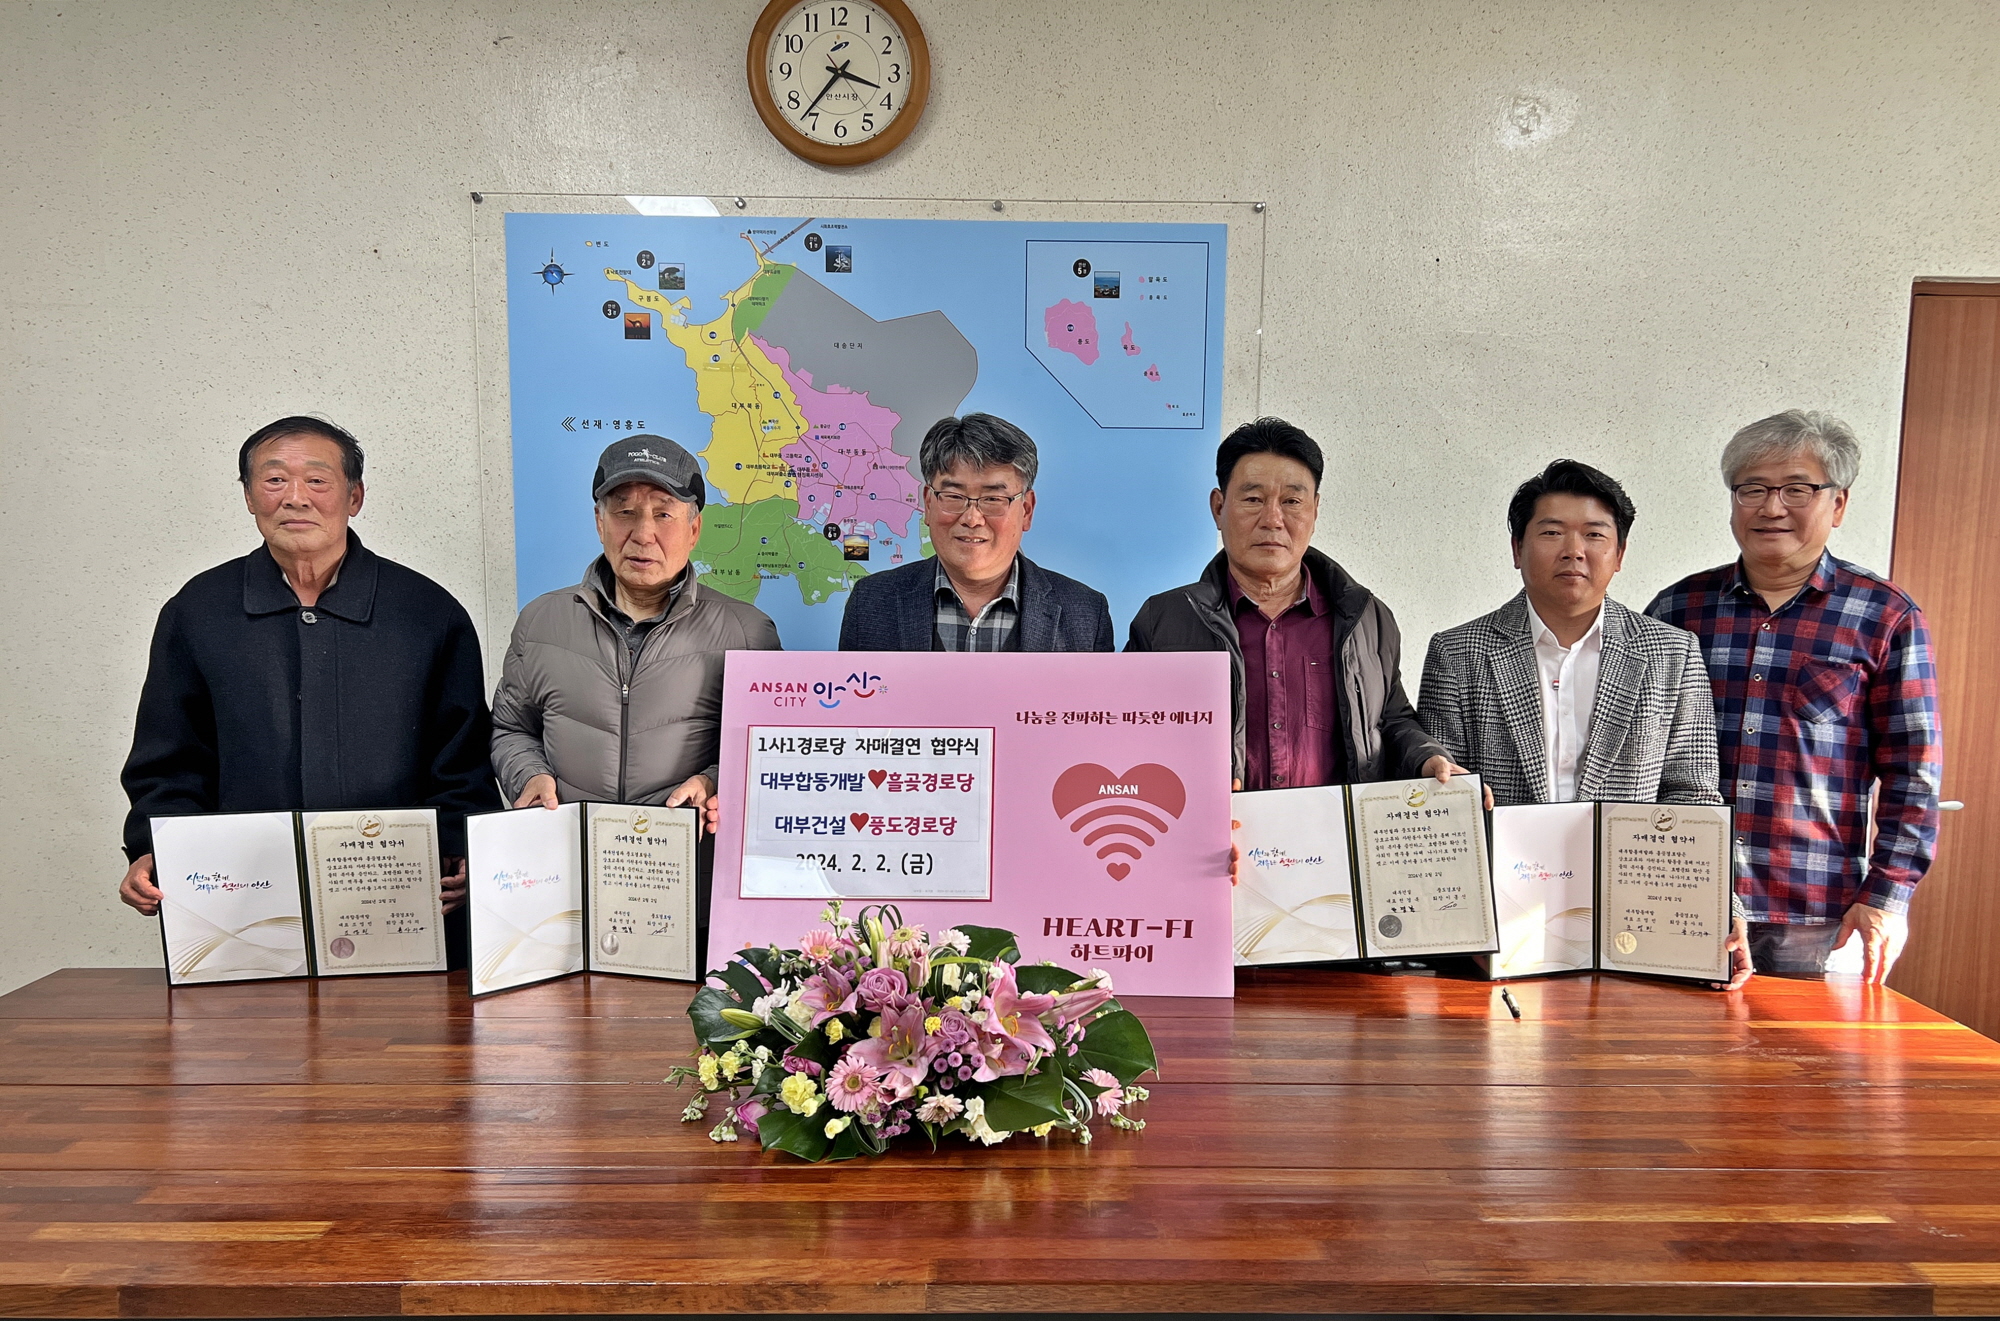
{"x": 373, "y": 697}
{"x": 1384, "y": 740}
{"x": 895, "y": 610}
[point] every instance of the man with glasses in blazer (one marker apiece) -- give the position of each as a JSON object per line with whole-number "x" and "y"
{"x": 978, "y": 592}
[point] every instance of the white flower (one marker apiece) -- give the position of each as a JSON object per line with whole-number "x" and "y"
{"x": 799, "y": 1012}
{"x": 951, "y": 975}
{"x": 940, "y": 1109}
{"x": 765, "y": 1005}
{"x": 955, "y": 938}
{"x": 976, "y": 1125}
{"x": 1101, "y": 977}
{"x": 723, "y": 1132}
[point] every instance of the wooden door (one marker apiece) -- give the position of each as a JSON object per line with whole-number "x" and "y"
{"x": 1947, "y": 556}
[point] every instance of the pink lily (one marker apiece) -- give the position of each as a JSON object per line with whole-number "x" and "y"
{"x": 1012, "y": 1034}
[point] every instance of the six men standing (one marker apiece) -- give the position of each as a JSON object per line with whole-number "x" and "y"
{"x": 270, "y": 673}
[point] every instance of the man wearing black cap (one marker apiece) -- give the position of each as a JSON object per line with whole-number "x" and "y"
{"x": 612, "y": 690}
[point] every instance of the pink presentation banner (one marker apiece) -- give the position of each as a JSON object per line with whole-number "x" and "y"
{"x": 1080, "y": 801}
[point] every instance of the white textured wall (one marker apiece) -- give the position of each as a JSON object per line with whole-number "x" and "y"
{"x": 218, "y": 213}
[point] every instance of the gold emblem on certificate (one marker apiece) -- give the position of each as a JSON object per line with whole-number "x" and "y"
{"x": 1665, "y": 878}
{"x": 374, "y": 887}
{"x": 1420, "y": 850}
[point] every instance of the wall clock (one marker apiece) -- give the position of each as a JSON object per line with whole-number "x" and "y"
{"x": 839, "y": 84}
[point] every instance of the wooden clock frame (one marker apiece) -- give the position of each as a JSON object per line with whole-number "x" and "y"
{"x": 824, "y": 153}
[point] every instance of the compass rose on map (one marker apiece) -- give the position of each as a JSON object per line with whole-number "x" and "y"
{"x": 552, "y": 274}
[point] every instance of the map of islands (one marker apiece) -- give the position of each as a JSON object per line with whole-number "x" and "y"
{"x": 806, "y": 397}
{"x": 1158, "y": 291}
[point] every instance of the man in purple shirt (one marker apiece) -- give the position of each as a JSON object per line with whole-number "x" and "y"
{"x": 1314, "y": 658}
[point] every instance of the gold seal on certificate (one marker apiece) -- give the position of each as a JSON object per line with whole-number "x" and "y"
{"x": 1666, "y": 875}
{"x": 373, "y": 878}
{"x": 642, "y": 890}
{"x": 1420, "y": 855}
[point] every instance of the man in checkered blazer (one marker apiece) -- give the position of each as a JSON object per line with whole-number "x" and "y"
{"x": 1564, "y": 695}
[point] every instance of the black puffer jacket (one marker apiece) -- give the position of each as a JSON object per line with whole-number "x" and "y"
{"x": 1384, "y": 740}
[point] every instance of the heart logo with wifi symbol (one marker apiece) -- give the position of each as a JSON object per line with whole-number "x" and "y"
{"x": 1119, "y": 814}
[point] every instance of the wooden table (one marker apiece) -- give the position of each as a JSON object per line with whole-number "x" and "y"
{"x": 1328, "y": 1142}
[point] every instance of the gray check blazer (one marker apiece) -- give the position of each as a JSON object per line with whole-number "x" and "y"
{"x": 1652, "y": 734}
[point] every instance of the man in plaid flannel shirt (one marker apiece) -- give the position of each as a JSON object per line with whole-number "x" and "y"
{"x": 1824, "y": 690}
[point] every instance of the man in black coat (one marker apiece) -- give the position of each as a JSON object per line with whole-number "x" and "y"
{"x": 310, "y": 674}
{"x": 1314, "y": 657}
{"x": 977, "y": 592}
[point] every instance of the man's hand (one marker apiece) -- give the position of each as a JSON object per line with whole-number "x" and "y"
{"x": 540, "y": 791}
{"x": 451, "y": 885}
{"x": 1738, "y": 949}
{"x": 1882, "y": 937}
{"x": 1235, "y": 853}
{"x": 711, "y": 815}
{"x": 138, "y": 890}
{"x": 698, "y": 791}
{"x": 1442, "y": 768}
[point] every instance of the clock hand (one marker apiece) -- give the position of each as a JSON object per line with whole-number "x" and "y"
{"x": 838, "y": 74}
{"x": 853, "y": 79}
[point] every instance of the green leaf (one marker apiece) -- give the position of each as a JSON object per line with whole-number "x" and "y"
{"x": 710, "y": 1027}
{"x": 994, "y": 944}
{"x": 1039, "y": 979}
{"x": 815, "y": 1047}
{"x": 764, "y": 961}
{"x": 742, "y": 980}
{"x": 781, "y": 1130}
{"x": 848, "y": 1144}
{"x": 1023, "y": 1102}
{"x": 1118, "y": 1044}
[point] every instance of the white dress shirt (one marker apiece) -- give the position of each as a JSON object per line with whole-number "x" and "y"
{"x": 1569, "y": 697}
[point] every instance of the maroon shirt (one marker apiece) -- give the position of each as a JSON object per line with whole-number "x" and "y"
{"x": 1290, "y": 712}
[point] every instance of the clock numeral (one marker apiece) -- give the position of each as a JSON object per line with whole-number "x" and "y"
{"x": 887, "y": 103}
{"x": 895, "y": 74}
{"x": 794, "y": 43}
{"x": 791, "y": 100}
{"x": 840, "y": 128}
{"x": 785, "y": 69}
{"x": 812, "y": 21}
{"x": 836, "y": 16}
{"x": 814, "y": 116}
{"x": 867, "y": 24}
{"x": 887, "y": 42}
{"x": 867, "y": 123}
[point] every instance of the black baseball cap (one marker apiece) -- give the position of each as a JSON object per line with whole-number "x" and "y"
{"x": 652, "y": 459}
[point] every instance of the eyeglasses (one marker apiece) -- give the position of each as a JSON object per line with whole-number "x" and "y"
{"x": 1795, "y": 495}
{"x": 955, "y": 503}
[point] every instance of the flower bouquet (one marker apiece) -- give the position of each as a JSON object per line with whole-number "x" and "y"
{"x": 872, "y": 1029}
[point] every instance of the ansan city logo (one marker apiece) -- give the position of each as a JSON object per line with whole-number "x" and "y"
{"x": 828, "y": 693}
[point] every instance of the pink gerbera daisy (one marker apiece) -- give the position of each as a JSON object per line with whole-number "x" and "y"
{"x": 854, "y": 1084}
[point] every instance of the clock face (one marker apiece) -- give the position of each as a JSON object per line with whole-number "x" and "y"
{"x": 839, "y": 75}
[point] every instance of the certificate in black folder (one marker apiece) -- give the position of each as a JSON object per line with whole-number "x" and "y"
{"x": 1389, "y": 870}
{"x": 584, "y": 887}
{"x": 250, "y": 896}
{"x": 1621, "y": 887}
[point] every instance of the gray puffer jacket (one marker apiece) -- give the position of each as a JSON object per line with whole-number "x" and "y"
{"x": 566, "y": 705}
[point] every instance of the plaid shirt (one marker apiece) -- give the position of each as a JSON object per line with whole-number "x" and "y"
{"x": 1814, "y": 703}
{"x": 952, "y": 629}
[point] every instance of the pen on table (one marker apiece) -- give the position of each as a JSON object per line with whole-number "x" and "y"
{"x": 1507, "y": 996}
